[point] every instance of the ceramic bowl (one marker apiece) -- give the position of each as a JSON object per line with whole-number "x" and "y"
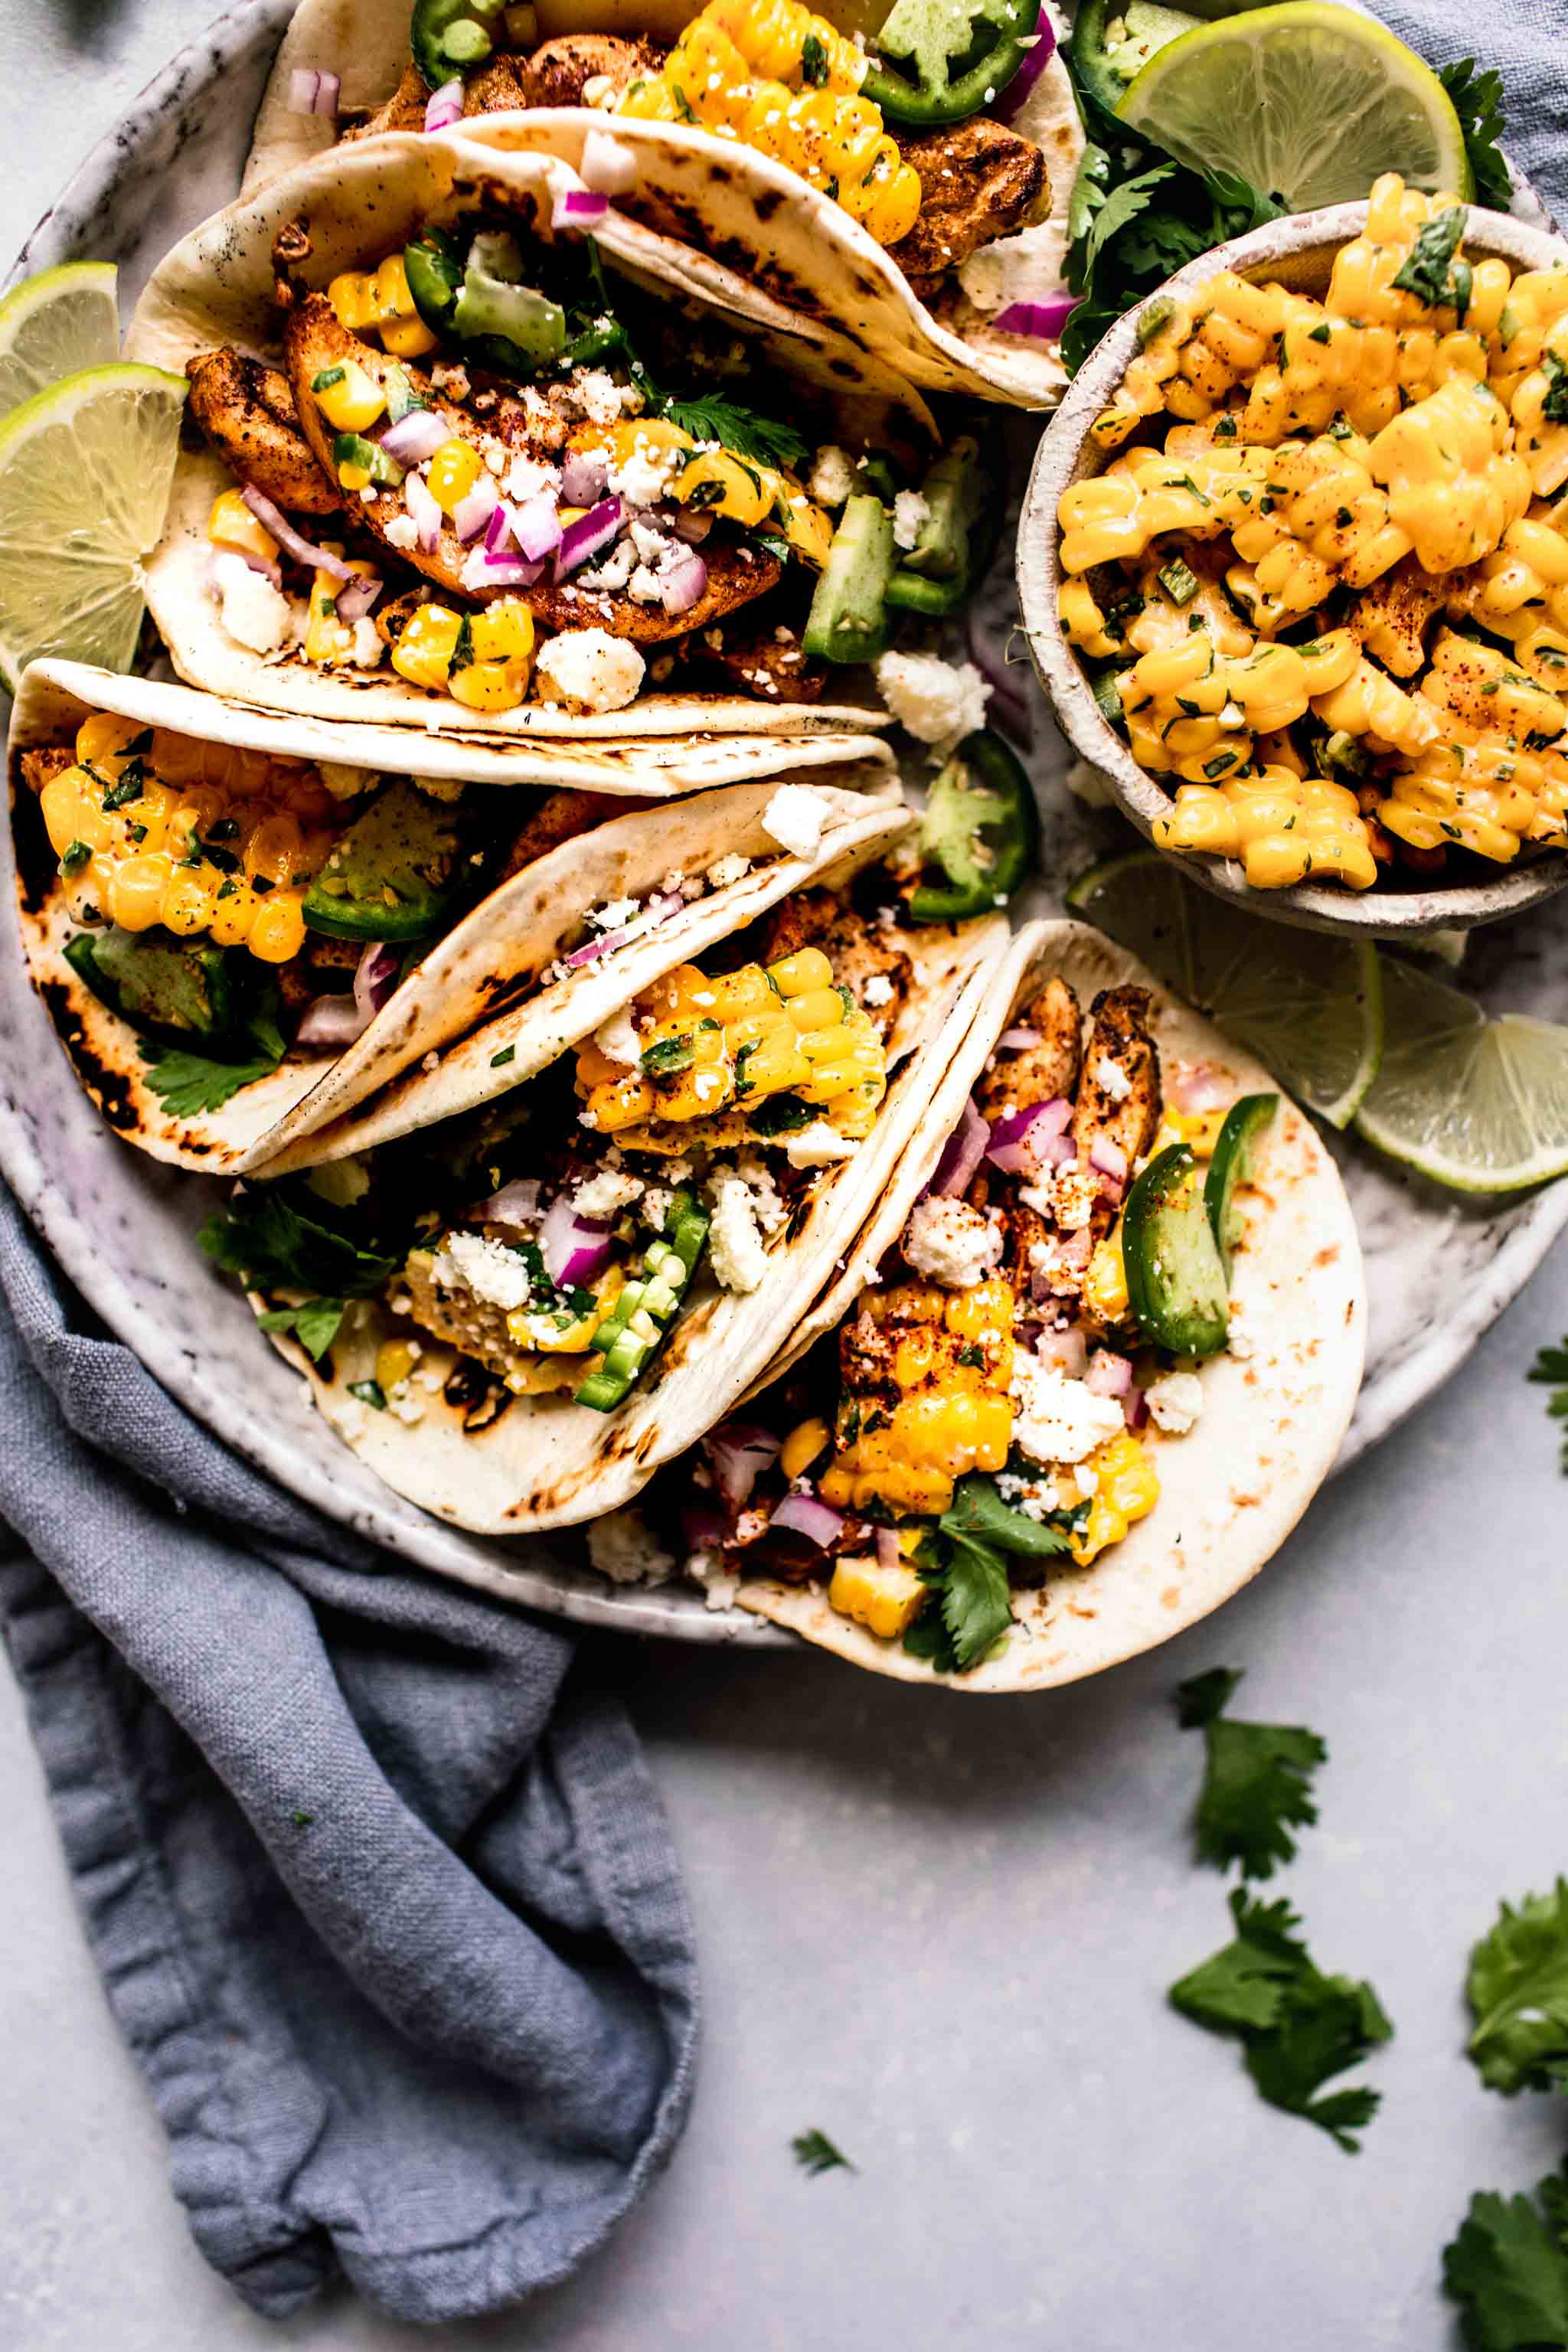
{"x": 1298, "y": 252}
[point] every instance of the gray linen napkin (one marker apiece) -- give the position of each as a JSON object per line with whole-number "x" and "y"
{"x": 1527, "y": 41}
{"x": 383, "y": 1897}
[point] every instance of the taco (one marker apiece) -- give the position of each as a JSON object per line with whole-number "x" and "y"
{"x": 1085, "y": 1368}
{"x": 443, "y": 484}
{"x": 241, "y": 930}
{"x": 517, "y": 1315}
{"x": 898, "y": 178}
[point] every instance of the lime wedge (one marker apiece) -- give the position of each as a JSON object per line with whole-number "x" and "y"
{"x": 1478, "y": 1106}
{"x": 85, "y": 469}
{"x": 53, "y": 324}
{"x": 1308, "y": 1006}
{"x": 1308, "y": 102}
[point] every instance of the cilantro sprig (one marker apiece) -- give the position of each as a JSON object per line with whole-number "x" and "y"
{"x": 270, "y": 1243}
{"x": 188, "y": 1083}
{"x": 710, "y": 416}
{"x": 1551, "y": 1368}
{"x": 965, "y": 1565}
{"x": 1478, "y": 101}
{"x": 1506, "y": 2269}
{"x": 1256, "y": 1778}
{"x": 1517, "y": 1987}
{"x": 816, "y": 2153}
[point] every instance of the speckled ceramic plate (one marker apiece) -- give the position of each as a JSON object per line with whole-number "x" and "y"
{"x": 123, "y": 1228}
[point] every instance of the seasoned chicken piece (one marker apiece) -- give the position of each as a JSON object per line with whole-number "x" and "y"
{"x": 1040, "y": 1073}
{"x": 1119, "y": 1093}
{"x": 314, "y": 339}
{"x": 867, "y": 1383}
{"x": 303, "y": 978}
{"x": 494, "y": 88}
{"x": 1391, "y": 617}
{"x": 247, "y": 413}
{"x": 41, "y": 767}
{"x": 560, "y": 816}
{"x": 764, "y": 664}
{"x": 978, "y": 181}
{"x": 559, "y": 71}
{"x": 862, "y": 954}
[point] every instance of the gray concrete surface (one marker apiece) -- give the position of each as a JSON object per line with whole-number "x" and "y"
{"x": 941, "y": 1930}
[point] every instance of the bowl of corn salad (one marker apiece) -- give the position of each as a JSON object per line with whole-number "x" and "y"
{"x": 1293, "y": 565}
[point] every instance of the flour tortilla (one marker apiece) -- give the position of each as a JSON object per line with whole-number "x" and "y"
{"x": 501, "y": 946}
{"x": 548, "y": 1462}
{"x": 737, "y": 227}
{"x": 217, "y": 288}
{"x": 1231, "y": 1490}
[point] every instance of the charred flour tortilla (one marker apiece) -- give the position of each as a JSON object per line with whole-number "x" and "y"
{"x": 215, "y": 307}
{"x": 1272, "y": 1417}
{"x": 133, "y": 1053}
{"x": 456, "y": 1439}
{"x": 740, "y": 227}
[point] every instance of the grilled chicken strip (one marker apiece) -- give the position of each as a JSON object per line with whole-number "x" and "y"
{"x": 860, "y": 951}
{"x": 314, "y": 339}
{"x": 764, "y": 664}
{"x": 978, "y": 181}
{"x": 561, "y": 816}
{"x": 1040, "y": 1073}
{"x": 247, "y": 412}
{"x": 559, "y": 71}
{"x": 1119, "y": 1095}
{"x": 495, "y": 88}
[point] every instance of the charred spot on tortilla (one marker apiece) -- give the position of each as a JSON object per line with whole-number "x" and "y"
{"x": 111, "y": 1088}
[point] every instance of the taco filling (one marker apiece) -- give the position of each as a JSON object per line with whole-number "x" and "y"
{"x": 986, "y": 1407}
{"x": 562, "y": 1232}
{"x": 466, "y": 471}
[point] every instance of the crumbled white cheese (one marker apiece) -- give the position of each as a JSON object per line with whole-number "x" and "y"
{"x": 1111, "y": 1078}
{"x": 818, "y": 1145}
{"x": 254, "y": 614}
{"x": 725, "y": 870}
{"x": 1175, "y": 1401}
{"x": 1035, "y": 1498}
{"x": 768, "y": 1205}
{"x": 611, "y": 576}
{"x": 476, "y": 1263}
{"x": 734, "y": 1246}
{"x": 955, "y": 1244}
{"x": 597, "y": 394}
{"x": 622, "y": 1547}
{"x": 451, "y": 377}
{"x": 607, "y": 165}
{"x": 344, "y": 782}
{"x": 603, "y": 1194}
{"x": 530, "y": 477}
{"x": 939, "y": 704}
{"x": 1057, "y": 1419}
{"x": 588, "y": 671}
{"x": 832, "y": 477}
{"x": 368, "y": 643}
{"x": 613, "y": 915}
{"x": 909, "y": 510}
{"x": 795, "y": 818}
{"x": 617, "y": 1039}
{"x": 402, "y": 532}
{"x": 647, "y": 470}
{"x": 878, "y": 991}
{"x": 1239, "y": 1340}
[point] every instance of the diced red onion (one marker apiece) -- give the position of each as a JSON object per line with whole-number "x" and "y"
{"x": 498, "y": 528}
{"x": 1069, "y": 1351}
{"x": 1027, "y": 1142}
{"x": 477, "y": 508}
{"x": 516, "y": 1203}
{"x": 536, "y": 527}
{"x": 579, "y": 208}
{"x": 961, "y": 1154}
{"x": 692, "y": 524}
{"x": 588, "y": 535}
{"x": 684, "y": 584}
{"x": 607, "y": 165}
{"x": 1008, "y": 103}
{"x": 808, "y": 1518}
{"x": 481, "y": 571}
{"x": 330, "y": 1020}
{"x": 356, "y": 596}
{"x": 888, "y": 1552}
{"x": 663, "y": 904}
{"x": 312, "y": 93}
{"x": 375, "y": 976}
{"x": 738, "y": 1452}
{"x": 303, "y": 551}
{"x": 592, "y": 949}
{"x": 420, "y": 501}
{"x": 1199, "y": 1088}
{"x": 584, "y": 473}
{"x": 1017, "y": 1041}
{"x": 1040, "y": 322}
{"x": 415, "y": 437}
{"x": 574, "y": 1248}
{"x": 1109, "y": 1375}
{"x": 446, "y": 105}
{"x": 1109, "y": 1158}
{"x": 1134, "y": 1409}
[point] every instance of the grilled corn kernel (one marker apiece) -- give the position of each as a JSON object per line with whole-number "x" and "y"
{"x": 454, "y": 469}
{"x": 354, "y": 402}
{"x": 403, "y": 330}
{"x": 352, "y": 296}
{"x": 886, "y": 1601}
{"x": 1105, "y": 1281}
{"x": 232, "y": 524}
{"x": 1127, "y": 1489}
{"x": 800, "y": 1449}
{"x": 423, "y": 654}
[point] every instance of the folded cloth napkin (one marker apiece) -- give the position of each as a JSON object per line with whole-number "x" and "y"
{"x": 383, "y": 1897}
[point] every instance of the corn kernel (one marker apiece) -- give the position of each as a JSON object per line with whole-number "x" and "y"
{"x": 354, "y": 402}
{"x": 800, "y": 1449}
{"x": 454, "y": 469}
{"x": 886, "y": 1601}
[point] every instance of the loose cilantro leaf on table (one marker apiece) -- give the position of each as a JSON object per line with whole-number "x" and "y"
{"x": 1517, "y": 1987}
{"x": 1550, "y": 1367}
{"x": 1256, "y": 1781}
{"x": 1506, "y": 2268}
{"x": 1299, "y": 2027}
{"x": 816, "y": 2153}
{"x": 1478, "y": 101}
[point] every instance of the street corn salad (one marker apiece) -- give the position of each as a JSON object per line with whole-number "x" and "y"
{"x": 994, "y": 1389}
{"x": 1323, "y": 586}
{"x": 466, "y": 471}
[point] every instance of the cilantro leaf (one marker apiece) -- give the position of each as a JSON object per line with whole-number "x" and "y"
{"x": 1550, "y": 1367}
{"x": 1506, "y": 2268}
{"x": 270, "y": 1243}
{"x": 1517, "y": 1987}
{"x": 816, "y": 2153}
{"x": 1554, "y": 404}
{"x": 1478, "y": 101}
{"x": 188, "y": 1083}
{"x": 1256, "y": 1781}
{"x": 1298, "y": 2027}
{"x": 964, "y": 1566}
{"x": 710, "y": 417}
{"x": 315, "y": 1324}
{"x": 1426, "y": 273}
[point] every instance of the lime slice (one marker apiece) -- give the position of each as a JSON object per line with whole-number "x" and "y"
{"x": 53, "y": 324}
{"x": 1307, "y": 102}
{"x": 1308, "y": 1006}
{"x": 1478, "y": 1106}
{"x": 85, "y": 470}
